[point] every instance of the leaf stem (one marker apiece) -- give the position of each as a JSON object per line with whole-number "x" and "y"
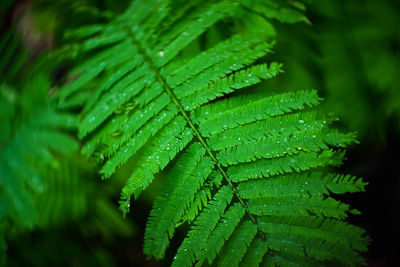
{"x": 175, "y": 100}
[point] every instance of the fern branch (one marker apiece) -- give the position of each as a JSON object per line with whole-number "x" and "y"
{"x": 192, "y": 170}
{"x": 182, "y": 111}
{"x": 235, "y": 250}
{"x": 221, "y": 233}
{"x": 204, "y": 225}
{"x": 162, "y": 101}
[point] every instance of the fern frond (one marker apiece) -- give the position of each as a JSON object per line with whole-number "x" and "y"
{"x": 288, "y": 205}
{"x": 38, "y": 127}
{"x": 269, "y": 127}
{"x": 182, "y": 184}
{"x": 34, "y": 134}
{"x": 203, "y": 226}
{"x": 237, "y": 245}
{"x": 70, "y": 194}
{"x": 325, "y": 239}
{"x": 156, "y": 157}
{"x": 255, "y": 253}
{"x": 230, "y": 113}
{"x": 285, "y": 164}
{"x": 282, "y": 145}
{"x": 301, "y": 184}
{"x": 163, "y": 103}
{"x": 202, "y": 197}
{"x": 221, "y": 233}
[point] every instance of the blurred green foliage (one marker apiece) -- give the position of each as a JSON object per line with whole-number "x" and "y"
{"x": 351, "y": 54}
{"x": 45, "y": 185}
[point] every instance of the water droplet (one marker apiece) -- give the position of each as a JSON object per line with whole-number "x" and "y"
{"x": 301, "y": 121}
{"x": 91, "y": 119}
{"x": 161, "y": 53}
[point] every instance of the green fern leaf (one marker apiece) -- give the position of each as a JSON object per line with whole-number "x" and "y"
{"x": 202, "y": 229}
{"x": 224, "y": 229}
{"x": 237, "y": 246}
{"x": 192, "y": 169}
{"x": 249, "y": 171}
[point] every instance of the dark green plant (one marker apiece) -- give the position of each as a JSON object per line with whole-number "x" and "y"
{"x": 351, "y": 55}
{"x": 41, "y": 186}
{"x": 29, "y": 123}
{"x": 249, "y": 172}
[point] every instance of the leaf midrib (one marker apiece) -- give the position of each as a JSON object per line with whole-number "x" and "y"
{"x": 175, "y": 100}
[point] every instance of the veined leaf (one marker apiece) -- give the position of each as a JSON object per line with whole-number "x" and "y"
{"x": 244, "y": 169}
